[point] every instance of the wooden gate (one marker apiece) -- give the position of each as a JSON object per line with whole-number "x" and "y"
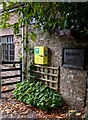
{"x": 11, "y": 69}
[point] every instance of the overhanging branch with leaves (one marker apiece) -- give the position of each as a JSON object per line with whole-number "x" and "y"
{"x": 50, "y": 15}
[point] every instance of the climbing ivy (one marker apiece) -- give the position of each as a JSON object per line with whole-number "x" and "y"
{"x": 51, "y": 16}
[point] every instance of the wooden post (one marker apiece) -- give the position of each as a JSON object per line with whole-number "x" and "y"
{"x": 0, "y": 67}
{"x": 58, "y": 79}
{"x": 20, "y": 71}
{"x": 0, "y": 82}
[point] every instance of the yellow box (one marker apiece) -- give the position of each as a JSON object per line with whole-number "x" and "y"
{"x": 41, "y": 55}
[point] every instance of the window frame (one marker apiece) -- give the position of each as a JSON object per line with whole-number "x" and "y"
{"x": 8, "y": 48}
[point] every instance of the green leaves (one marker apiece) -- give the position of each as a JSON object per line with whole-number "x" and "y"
{"x": 33, "y": 36}
{"x": 16, "y": 28}
{"x": 38, "y": 95}
{"x": 71, "y": 16}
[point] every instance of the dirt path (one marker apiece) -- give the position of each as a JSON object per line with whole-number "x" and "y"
{"x": 11, "y": 108}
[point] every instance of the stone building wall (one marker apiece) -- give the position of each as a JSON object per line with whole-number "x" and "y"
{"x": 87, "y": 91}
{"x": 18, "y": 47}
{"x": 17, "y": 41}
{"x": 17, "y": 38}
{"x": 72, "y": 81}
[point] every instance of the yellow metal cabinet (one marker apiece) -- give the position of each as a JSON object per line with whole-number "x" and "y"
{"x": 41, "y": 55}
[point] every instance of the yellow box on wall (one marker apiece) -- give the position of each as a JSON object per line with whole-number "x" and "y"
{"x": 41, "y": 55}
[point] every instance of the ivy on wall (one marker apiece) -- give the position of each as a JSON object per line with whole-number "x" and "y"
{"x": 51, "y": 16}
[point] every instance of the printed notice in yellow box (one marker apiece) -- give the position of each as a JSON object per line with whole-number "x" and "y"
{"x": 41, "y": 55}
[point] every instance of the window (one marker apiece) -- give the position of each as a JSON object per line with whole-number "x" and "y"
{"x": 7, "y": 47}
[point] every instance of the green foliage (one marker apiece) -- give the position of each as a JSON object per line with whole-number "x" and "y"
{"x": 86, "y": 116}
{"x": 33, "y": 36}
{"x": 5, "y": 25}
{"x": 50, "y": 15}
{"x": 32, "y": 68}
{"x": 38, "y": 95}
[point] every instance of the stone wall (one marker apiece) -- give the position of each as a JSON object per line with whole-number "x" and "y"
{"x": 18, "y": 47}
{"x": 72, "y": 81}
{"x": 17, "y": 41}
{"x": 87, "y": 91}
{"x": 17, "y": 38}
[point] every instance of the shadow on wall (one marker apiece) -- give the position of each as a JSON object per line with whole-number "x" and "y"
{"x": 49, "y": 56}
{"x": 86, "y": 57}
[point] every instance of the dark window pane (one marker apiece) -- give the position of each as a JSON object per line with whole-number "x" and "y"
{"x": 11, "y": 52}
{"x": 8, "y": 47}
{"x": 11, "y": 57}
{"x": 6, "y": 57}
{"x": 0, "y": 39}
{"x": 12, "y": 46}
{"x": 4, "y": 39}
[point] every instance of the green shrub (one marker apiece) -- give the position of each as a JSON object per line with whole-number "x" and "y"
{"x": 38, "y": 95}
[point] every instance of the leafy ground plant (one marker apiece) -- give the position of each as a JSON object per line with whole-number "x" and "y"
{"x": 38, "y": 95}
